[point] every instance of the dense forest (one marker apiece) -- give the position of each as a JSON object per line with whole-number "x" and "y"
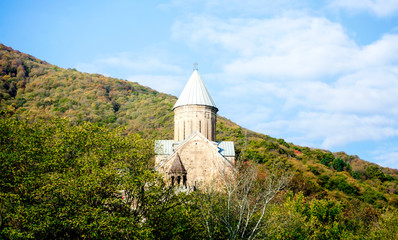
{"x": 76, "y": 160}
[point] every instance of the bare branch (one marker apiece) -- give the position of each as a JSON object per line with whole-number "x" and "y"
{"x": 240, "y": 206}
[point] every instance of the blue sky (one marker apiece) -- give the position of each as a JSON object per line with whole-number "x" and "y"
{"x": 317, "y": 73}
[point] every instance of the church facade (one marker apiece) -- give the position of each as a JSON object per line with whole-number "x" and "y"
{"x": 194, "y": 157}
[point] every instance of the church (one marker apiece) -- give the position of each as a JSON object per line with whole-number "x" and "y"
{"x": 194, "y": 157}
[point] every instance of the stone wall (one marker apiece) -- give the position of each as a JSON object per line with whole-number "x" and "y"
{"x": 203, "y": 163}
{"x": 159, "y": 159}
{"x": 191, "y": 118}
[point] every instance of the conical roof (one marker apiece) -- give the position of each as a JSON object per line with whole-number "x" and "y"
{"x": 195, "y": 93}
{"x": 176, "y": 166}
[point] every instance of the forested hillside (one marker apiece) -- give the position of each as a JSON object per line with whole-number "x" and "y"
{"x": 335, "y": 195}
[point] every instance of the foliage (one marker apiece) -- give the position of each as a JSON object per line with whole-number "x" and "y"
{"x": 327, "y": 159}
{"x": 387, "y": 226}
{"x": 340, "y": 165}
{"x": 64, "y": 181}
{"x": 375, "y": 172}
{"x": 311, "y": 219}
{"x": 372, "y": 196}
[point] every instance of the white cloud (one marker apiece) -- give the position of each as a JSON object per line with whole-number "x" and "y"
{"x": 299, "y": 47}
{"x": 381, "y": 8}
{"x": 333, "y": 130}
{"x": 357, "y": 107}
{"x": 369, "y": 91}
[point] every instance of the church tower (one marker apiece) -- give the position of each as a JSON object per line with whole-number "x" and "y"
{"x": 194, "y": 157}
{"x": 194, "y": 111}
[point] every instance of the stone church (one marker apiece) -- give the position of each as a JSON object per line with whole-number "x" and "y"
{"x": 194, "y": 158}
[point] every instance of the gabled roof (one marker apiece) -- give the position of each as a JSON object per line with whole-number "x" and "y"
{"x": 176, "y": 166}
{"x": 226, "y": 145}
{"x": 166, "y": 147}
{"x": 195, "y": 93}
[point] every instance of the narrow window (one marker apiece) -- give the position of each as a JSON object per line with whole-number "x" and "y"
{"x": 184, "y": 180}
{"x": 207, "y": 128}
{"x": 213, "y": 131}
{"x": 178, "y": 180}
{"x": 200, "y": 126}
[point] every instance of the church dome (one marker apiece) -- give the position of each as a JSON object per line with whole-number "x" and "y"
{"x": 195, "y": 93}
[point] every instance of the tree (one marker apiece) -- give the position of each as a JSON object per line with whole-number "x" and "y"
{"x": 327, "y": 158}
{"x": 238, "y": 210}
{"x": 339, "y": 164}
{"x": 64, "y": 181}
{"x": 375, "y": 172}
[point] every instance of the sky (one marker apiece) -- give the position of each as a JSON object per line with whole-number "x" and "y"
{"x": 321, "y": 74}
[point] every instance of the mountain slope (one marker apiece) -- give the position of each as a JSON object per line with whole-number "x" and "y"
{"x": 33, "y": 89}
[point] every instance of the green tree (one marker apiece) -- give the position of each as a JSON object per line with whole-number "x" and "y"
{"x": 327, "y": 158}
{"x": 309, "y": 219}
{"x": 375, "y": 172}
{"x": 339, "y": 165}
{"x": 62, "y": 181}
